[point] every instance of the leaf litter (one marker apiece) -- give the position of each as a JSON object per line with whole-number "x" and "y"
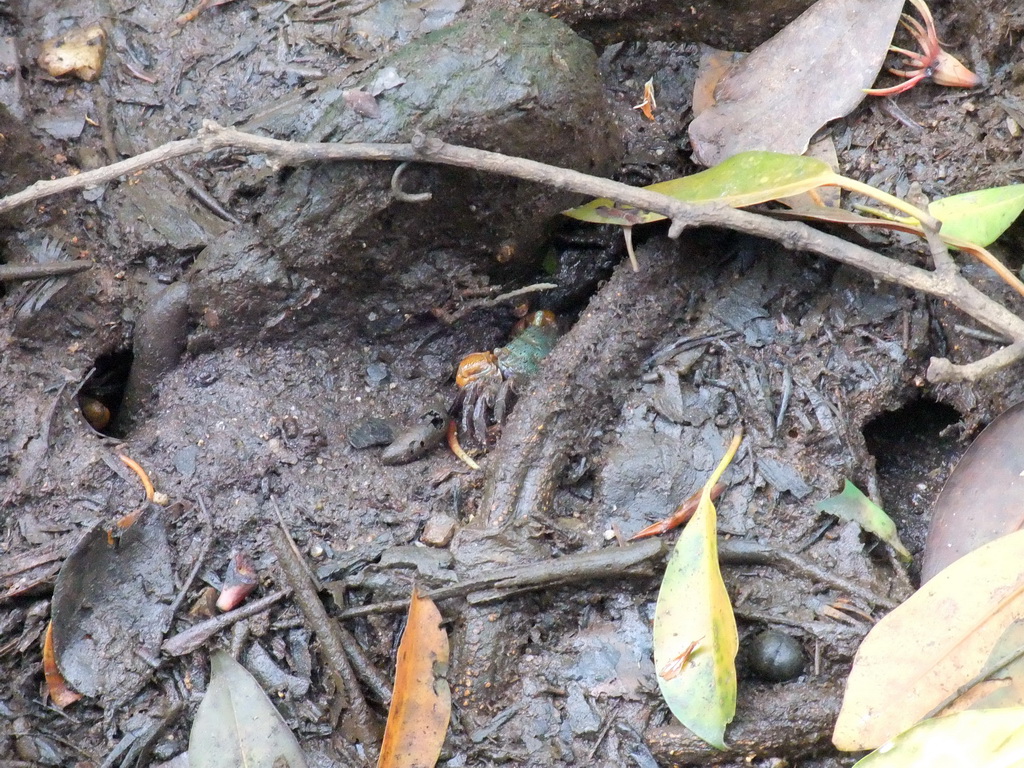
{"x": 237, "y": 725}
{"x": 921, "y": 658}
{"x": 983, "y": 498}
{"x": 813, "y": 71}
{"x": 112, "y": 607}
{"x": 422, "y": 701}
{"x": 695, "y": 636}
{"x": 852, "y": 505}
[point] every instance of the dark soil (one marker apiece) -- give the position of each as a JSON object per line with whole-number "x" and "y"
{"x": 241, "y": 358}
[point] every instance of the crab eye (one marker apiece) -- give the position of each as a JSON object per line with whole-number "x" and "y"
{"x": 474, "y": 367}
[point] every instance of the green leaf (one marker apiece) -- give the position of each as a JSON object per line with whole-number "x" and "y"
{"x": 695, "y": 638}
{"x": 745, "y": 179}
{"x": 982, "y": 738}
{"x": 980, "y": 216}
{"x": 236, "y": 725}
{"x": 853, "y": 505}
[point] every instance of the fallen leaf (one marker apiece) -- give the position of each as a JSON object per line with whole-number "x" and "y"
{"x": 649, "y": 104}
{"x": 983, "y": 738}
{"x": 111, "y": 608}
{"x": 747, "y": 179}
{"x": 757, "y": 177}
{"x": 920, "y": 657}
{"x": 710, "y": 71}
{"x": 422, "y": 701}
{"x": 813, "y": 71}
{"x": 983, "y": 498}
{"x": 823, "y": 149}
{"x": 853, "y": 505}
{"x": 694, "y": 619}
{"x": 981, "y": 216}
{"x": 236, "y": 725}
{"x": 56, "y": 685}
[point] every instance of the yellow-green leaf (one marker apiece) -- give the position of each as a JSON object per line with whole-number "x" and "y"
{"x": 983, "y": 738}
{"x": 853, "y": 505}
{"x": 695, "y": 638}
{"x": 745, "y": 179}
{"x": 929, "y": 651}
{"x": 981, "y": 216}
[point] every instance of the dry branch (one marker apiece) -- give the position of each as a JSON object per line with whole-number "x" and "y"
{"x": 944, "y": 283}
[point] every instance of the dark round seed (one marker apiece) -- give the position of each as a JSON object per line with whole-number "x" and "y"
{"x": 776, "y": 656}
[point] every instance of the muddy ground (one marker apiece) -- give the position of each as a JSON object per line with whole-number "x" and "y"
{"x": 262, "y": 337}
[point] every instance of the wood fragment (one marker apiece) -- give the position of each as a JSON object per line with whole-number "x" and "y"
{"x": 195, "y": 636}
{"x": 361, "y": 725}
{"x": 13, "y": 273}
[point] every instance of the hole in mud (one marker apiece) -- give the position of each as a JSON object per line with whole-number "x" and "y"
{"x": 100, "y": 397}
{"x": 914, "y": 452}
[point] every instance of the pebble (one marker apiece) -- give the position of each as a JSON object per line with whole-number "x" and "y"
{"x": 439, "y": 531}
{"x": 371, "y": 431}
{"x": 377, "y": 374}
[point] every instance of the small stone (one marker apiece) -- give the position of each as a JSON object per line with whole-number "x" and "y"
{"x": 185, "y": 460}
{"x": 438, "y": 531}
{"x": 371, "y": 431}
{"x": 581, "y": 716}
{"x": 377, "y": 374}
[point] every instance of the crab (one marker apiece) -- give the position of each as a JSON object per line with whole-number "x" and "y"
{"x": 931, "y": 63}
{"x": 488, "y": 381}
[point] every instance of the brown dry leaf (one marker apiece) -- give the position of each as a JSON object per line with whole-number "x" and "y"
{"x": 649, "y": 104}
{"x": 813, "y": 71}
{"x": 112, "y": 606}
{"x": 714, "y": 63}
{"x": 60, "y": 694}
{"x": 919, "y": 658}
{"x": 422, "y": 702}
{"x": 983, "y": 497}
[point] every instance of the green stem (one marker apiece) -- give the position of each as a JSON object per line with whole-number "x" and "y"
{"x": 883, "y": 197}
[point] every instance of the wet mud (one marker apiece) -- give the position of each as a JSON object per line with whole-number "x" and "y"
{"x": 258, "y": 355}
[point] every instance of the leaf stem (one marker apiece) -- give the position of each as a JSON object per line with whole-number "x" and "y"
{"x": 892, "y": 201}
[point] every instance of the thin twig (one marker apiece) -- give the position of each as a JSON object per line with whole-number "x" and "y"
{"x": 195, "y": 636}
{"x": 12, "y": 273}
{"x": 950, "y": 286}
{"x": 362, "y": 724}
{"x": 610, "y": 562}
{"x": 450, "y": 318}
{"x": 199, "y": 192}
